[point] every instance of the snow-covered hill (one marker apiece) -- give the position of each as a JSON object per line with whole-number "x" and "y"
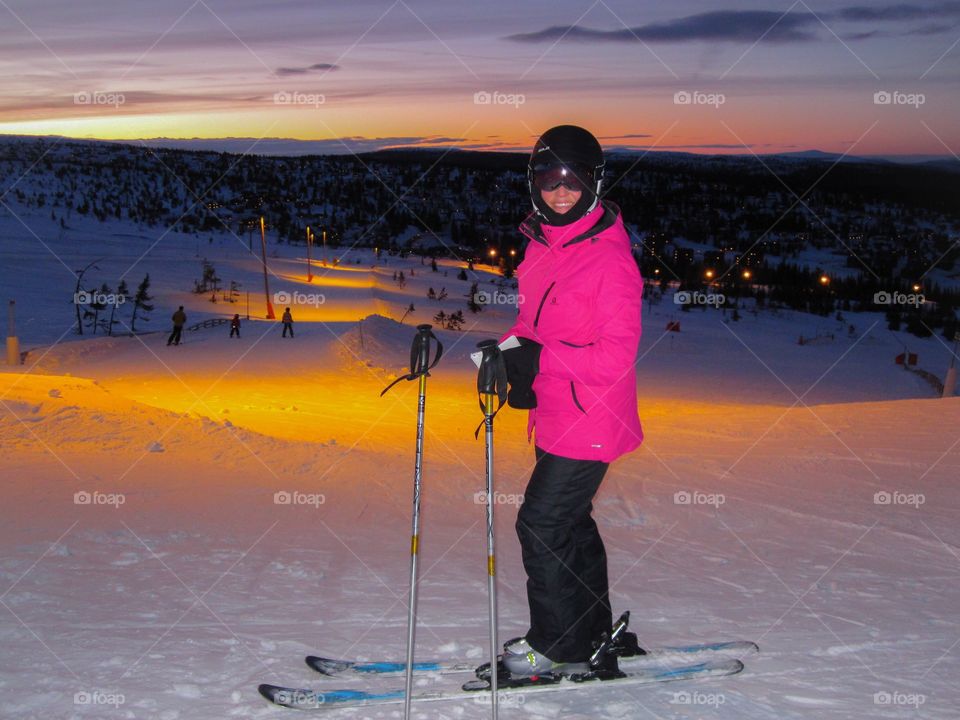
{"x": 182, "y": 523}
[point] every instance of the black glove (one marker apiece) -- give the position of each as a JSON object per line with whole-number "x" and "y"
{"x": 523, "y": 364}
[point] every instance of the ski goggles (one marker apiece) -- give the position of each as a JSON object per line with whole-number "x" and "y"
{"x": 574, "y": 176}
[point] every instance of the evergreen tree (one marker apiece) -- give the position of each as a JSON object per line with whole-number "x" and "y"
{"x": 141, "y": 302}
{"x": 455, "y": 321}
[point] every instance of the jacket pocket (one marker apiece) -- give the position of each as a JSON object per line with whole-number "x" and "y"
{"x": 536, "y": 319}
{"x": 573, "y": 394}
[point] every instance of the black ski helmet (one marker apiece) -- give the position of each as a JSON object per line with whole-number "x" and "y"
{"x": 577, "y": 149}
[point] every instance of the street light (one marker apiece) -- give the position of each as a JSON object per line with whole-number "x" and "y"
{"x": 708, "y": 274}
{"x": 747, "y": 274}
{"x": 824, "y": 280}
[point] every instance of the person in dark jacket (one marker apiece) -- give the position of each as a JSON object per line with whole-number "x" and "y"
{"x": 235, "y": 326}
{"x": 287, "y": 321}
{"x": 179, "y": 320}
{"x": 578, "y": 324}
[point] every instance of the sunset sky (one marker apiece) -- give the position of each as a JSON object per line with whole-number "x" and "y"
{"x": 761, "y": 76}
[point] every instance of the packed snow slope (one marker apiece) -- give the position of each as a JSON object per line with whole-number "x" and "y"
{"x": 183, "y": 523}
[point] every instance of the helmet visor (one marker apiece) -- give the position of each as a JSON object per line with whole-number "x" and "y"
{"x": 574, "y": 176}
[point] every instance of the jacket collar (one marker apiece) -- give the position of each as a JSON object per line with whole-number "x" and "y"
{"x": 591, "y": 224}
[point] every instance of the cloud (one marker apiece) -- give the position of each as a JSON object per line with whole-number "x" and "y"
{"x": 748, "y": 25}
{"x": 904, "y": 11}
{"x": 327, "y": 67}
{"x": 719, "y": 25}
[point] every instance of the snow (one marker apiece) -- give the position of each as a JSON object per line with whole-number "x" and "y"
{"x": 181, "y": 524}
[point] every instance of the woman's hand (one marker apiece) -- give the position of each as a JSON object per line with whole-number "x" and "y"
{"x": 523, "y": 364}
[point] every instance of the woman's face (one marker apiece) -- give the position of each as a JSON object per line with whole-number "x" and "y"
{"x": 561, "y": 199}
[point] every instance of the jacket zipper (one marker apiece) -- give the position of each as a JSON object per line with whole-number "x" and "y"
{"x": 573, "y": 392}
{"x": 536, "y": 319}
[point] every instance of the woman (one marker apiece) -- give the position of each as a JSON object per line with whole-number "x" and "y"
{"x": 579, "y": 328}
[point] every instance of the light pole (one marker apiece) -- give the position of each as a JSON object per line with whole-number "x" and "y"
{"x": 266, "y": 283}
{"x": 309, "y": 245}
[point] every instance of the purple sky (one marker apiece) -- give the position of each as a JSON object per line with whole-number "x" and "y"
{"x": 759, "y": 76}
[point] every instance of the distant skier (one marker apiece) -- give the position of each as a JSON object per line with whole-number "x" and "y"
{"x": 179, "y": 320}
{"x": 574, "y": 370}
{"x": 235, "y": 326}
{"x": 287, "y": 320}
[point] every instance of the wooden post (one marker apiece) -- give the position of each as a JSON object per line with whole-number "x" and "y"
{"x": 13, "y": 343}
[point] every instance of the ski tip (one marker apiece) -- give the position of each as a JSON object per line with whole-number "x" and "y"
{"x": 269, "y": 691}
{"x": 298, "y": 698}
{"x": 731, "y": 666}
{"x": 326, "y": 666}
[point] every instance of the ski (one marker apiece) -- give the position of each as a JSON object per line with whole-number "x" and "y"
{"x": 333, "y": 667}
{"x": 319, "y": 700}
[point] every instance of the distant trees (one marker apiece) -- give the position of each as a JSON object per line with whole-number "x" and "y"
{"x": 453, "y": 321}
{"x": 209, "y": 280}
{"x": 123, "y": 296}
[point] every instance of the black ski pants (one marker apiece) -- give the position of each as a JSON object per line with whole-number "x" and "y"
{"x": 566, "y": 564}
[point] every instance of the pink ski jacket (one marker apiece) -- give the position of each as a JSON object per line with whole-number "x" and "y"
{"x": 579, "y": 296}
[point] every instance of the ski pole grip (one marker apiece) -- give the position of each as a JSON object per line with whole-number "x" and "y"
{"x": 487, "y": 374}
{"x": 420, "y": 352}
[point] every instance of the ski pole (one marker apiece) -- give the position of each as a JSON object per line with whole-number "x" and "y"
{"x": 491, "y": 382}
{"x": 420, "y": 366}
